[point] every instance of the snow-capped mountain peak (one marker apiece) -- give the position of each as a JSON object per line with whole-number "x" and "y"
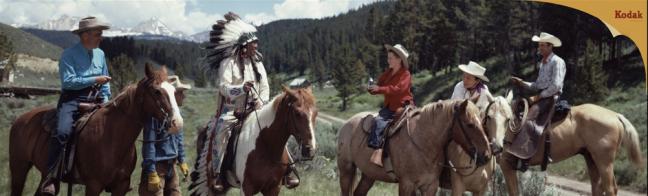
{"x": 153, "y": 28}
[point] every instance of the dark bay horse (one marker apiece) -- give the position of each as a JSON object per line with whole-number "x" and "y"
{"x": 105, "y": 153}
{"x": 261, "y": 159}
{"x": 416, "y": 151}
{"x": 596, "y": 133}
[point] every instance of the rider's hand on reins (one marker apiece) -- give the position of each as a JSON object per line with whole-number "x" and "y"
{"x": 102, "y": 79}
{"x": 516, "y": 81}
{"x": 247, "y": 87}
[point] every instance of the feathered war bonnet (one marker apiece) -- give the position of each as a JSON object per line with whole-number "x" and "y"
{"x": 228, "y": 38}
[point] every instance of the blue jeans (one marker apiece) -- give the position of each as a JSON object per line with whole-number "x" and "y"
{"x": 68, "y": 107}
{"x": 378, "y": 130}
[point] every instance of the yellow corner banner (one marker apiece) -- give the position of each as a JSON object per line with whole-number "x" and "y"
{"x": 622, "y": 17}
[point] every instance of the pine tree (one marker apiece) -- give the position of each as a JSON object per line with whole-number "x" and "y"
{"x": 591, "y": 85}
{"x": 179, "y": 70}
{"x": 7, "y": 57}
{"x": 348, "y": 77}
{"x": 318, "y": 73}
{"x": 200, "y": 79}
{"x": 122, "y": 71}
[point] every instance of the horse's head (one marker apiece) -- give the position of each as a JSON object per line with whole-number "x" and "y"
{"x": 468, "y": 132}
{"x": 301, "y": 114}
{"x": 176, "y": 119}
{"x": 496, "y": 117}
{"x": 154, "y": 100}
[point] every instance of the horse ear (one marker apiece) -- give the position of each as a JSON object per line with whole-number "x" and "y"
{"x": 463, "y": 105}
{"x": 148, "y": 70}
{"x": 288, "y": 91}
{"x": 509, "y": 96}
{"x": 284, "y": 88}
{"x": 172, "y": 79}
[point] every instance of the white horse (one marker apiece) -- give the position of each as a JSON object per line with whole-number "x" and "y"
{"x": 496, "y": 113}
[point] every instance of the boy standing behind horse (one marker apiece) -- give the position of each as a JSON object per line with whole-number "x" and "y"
{"x": 161, "y": 151}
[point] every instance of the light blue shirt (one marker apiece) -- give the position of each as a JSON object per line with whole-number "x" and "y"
{"x": 79, "y": 67}
{"x": 551, "y": 77}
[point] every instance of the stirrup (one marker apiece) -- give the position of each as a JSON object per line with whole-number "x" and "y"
{"x": 218, "y": 185}
{"x": 376, "y": 157}
{"x": 48, "y": 187}
{"x": 290, "y": 182}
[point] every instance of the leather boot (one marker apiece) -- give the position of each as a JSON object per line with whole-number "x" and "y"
{"x": 290, "y": 181}
{"x": 376, "y": 157}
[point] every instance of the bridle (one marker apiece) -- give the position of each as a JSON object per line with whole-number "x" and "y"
{"x": 496, "y": 151}
{"x": 472, "y": 149}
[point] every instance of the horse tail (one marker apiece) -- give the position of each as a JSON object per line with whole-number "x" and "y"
{"x": 630, "y": 140}
{"x": 199, "y": 176}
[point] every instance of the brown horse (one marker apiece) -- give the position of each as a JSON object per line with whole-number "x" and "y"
{"x": 260, "y": 158}
{"x": 592, "y": 131}
{"x": 496, "y": 113}
{"x": 416, "y": 152}
{"x": 105, "y": 153}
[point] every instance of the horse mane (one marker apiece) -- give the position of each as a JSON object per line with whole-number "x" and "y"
{"x": 433, "y": 114}
{"x": 503, "y": 101}
{"x": 127, "y": 93}
{"x": 307, "y": 98}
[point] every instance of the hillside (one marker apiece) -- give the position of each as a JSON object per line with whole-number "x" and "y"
{"x": 27, "y": 43}
{"x": 63, "y": 39}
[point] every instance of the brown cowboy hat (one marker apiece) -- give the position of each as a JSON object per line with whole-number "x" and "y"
{"x": 90, "y": 23}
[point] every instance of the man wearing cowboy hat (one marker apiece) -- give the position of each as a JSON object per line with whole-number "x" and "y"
{"x": 545, "y": 92}
{"x": 552, "y": 69}
{"x": 472, "y": 85}
{"x": 84, "y": 78}
{"x": 161, "y": 151}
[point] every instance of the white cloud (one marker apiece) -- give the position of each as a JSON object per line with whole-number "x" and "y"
{"x": 259, "y": 18}
{"x": 119, "y": 13}
{"x": 310, "y": 8}
{"x": 174, "y": 13}
{"x": 305, "y": 9}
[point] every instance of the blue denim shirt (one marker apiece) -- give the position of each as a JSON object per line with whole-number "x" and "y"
{"x": 158, "y": 145}
{"x": 79, "y": 67}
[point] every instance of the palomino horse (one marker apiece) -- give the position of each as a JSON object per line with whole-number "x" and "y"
{"x": 496, "y": 114}
{"x": 416, "y": 150}
{"x": 592, "y": 131}
{"x": 260, "y": 159}
{"x": 105, "y": 154}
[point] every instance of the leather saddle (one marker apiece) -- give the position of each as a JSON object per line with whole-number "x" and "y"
{"x": 65, "y": 168}
{"x": 394, "y": 125}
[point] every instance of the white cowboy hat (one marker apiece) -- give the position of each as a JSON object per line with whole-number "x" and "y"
{"x": 546, "y": 37}
{"x": 90, "y": 23}
{"x": 401, "y": 51}
{"x": 474, "y": 69}
{"x": 175, "y": 81}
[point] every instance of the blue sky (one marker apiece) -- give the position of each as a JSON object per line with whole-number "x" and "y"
{"x": 190, "y": 16}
